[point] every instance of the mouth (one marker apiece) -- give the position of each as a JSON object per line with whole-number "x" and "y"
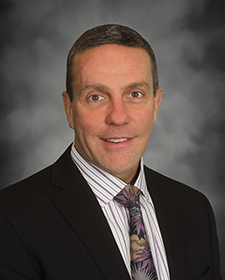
{"x": 115, "y": 140}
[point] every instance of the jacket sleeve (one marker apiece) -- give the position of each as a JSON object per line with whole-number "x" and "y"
{"x": 215, "y": 269}
{"x": 14, "y": 261}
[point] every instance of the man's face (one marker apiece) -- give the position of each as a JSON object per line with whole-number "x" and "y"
{"x": 113, "y": 109}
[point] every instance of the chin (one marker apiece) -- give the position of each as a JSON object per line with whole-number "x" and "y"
{"x": 119, "y": 168}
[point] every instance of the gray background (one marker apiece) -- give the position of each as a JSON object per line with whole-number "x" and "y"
{"x": 188, "y": 38}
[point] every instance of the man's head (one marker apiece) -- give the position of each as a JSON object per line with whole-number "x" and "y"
{"x": 114, "y": 106}
{"x": 108, "y": 34}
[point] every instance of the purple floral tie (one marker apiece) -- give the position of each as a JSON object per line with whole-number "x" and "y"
{"x": 142, "y": 266}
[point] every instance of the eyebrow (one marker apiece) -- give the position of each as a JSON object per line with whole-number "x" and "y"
{"x": 104, "y": 88}
{"x": 99, "y": 87}
{"x": 136, "y": 85}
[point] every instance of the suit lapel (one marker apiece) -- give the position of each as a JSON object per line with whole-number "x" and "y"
{"x": 170, "y": 221}
{"x": 78, "y": 205}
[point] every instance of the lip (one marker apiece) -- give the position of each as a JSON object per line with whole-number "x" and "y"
{"x": 116, "y": 141}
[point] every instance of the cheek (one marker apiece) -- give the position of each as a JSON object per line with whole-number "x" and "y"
{"x": 145, "y": 121}
{"x": 86, "y": 121}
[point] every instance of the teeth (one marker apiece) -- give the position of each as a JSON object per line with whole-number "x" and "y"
{"x": 116, "y": 140}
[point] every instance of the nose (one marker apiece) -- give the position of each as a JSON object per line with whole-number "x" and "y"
{"x": 117, "y": 114}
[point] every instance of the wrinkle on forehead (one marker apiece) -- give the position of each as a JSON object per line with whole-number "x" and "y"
{"x": 103, "y": 61}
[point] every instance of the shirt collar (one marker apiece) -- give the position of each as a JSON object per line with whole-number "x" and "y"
{"x": 104, "y": 185}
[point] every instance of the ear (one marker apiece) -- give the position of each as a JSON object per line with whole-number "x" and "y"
{"x": 68, "y": 108}
{"x": 157, "y": 99}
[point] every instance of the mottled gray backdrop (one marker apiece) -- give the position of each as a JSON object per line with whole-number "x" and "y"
{"x": 188, "y": 38}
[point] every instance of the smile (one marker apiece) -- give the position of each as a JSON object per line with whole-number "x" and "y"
{"x": 117, "y": 140}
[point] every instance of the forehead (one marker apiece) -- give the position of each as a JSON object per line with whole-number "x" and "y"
{"x": 111, "y": 53}
{"x": 111, "y": 63}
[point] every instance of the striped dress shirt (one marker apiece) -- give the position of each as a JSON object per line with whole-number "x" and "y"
{"x": 105, "y": 187}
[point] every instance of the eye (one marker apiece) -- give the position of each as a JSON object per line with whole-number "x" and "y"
{"x": 95, "y": 97}
{"x": 136, "y": 94}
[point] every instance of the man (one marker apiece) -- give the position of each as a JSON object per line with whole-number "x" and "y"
{"x": 66, "y": 221}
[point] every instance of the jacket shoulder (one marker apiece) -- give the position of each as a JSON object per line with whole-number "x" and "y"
{"x": 171, "y": 188}
{"x": 29, "y": 191}
{"x": 40, "y": 180}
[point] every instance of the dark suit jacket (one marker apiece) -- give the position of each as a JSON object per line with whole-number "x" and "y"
{"x": 52, "y": 227}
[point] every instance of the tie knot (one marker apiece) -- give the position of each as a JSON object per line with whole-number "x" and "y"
{"x": 129, "y": 196}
